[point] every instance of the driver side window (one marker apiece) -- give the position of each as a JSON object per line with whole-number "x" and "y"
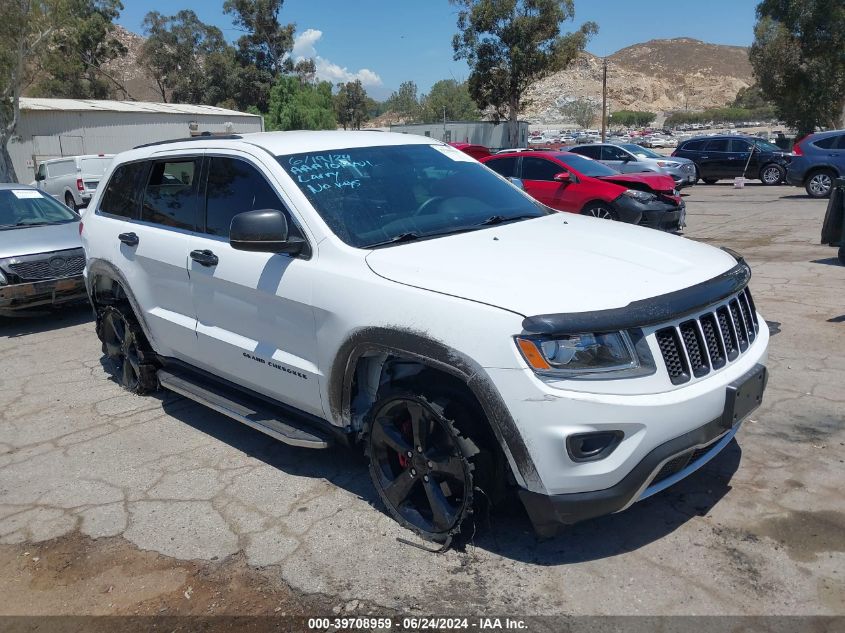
{"x": 235, "y": 186}
{"x": 609, "y": 152}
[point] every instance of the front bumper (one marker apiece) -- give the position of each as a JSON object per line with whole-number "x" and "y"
{"x": 662, "y": 467}
{"x": 657, "y": 215}
{"x": 18, "y": 297}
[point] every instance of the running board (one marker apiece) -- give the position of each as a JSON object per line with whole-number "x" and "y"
{"x": 245, "y": 410}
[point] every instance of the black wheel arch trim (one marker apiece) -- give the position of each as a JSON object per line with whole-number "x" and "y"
{"x": 645, "y": 312}
{"x": 420, "y": 346}
{"x": 100, "y": 268}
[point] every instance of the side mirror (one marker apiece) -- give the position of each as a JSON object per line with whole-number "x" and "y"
{"x": 39, "y": 176}
{"x": 563, "y": 176}
{"x": 263, "y": 231}
{"x": 517, "y": 182}
{"x": 627, "y": 158}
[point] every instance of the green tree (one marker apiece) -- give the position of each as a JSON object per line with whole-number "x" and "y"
{"x": 352, "y": 105}
{"x": 295, "y": 105}
{"x": 183, "y": 56}
{"x": 27, "y": 30}
{"x": 263, "y": 51}
{"x": 633, "y": 118}
{"x": 750, "y": 98}
{"x": 798, "y": 60}
{"x": 73, "y": 65}
{"x": 582, "y": 111}
{"x": 404, "y": 101}
{"x": 451, "y": 99}
{"x": 510, "y": 44}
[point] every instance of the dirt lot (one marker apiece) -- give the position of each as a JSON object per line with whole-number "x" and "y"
{"x": 117, "y": 504}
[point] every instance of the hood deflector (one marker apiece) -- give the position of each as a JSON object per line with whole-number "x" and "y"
{"x": 645, "y": 312}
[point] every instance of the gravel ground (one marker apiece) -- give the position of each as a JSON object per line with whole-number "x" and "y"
{"x": 113, "y": 503}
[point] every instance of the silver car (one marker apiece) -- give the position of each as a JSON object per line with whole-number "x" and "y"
{"x": 630, "y": 158}
{"x": 41, "y": 256}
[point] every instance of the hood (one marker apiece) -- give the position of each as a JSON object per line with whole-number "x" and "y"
{"x": 556, "y": 264}
{"x": 645, "y": 181}
{"x": 39, "y": 239}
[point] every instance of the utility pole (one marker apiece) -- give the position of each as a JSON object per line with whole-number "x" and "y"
{"x": 604, "y": 101}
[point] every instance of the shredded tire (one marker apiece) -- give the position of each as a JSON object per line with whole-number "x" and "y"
{"x": 127, "y": 348}
{"x": 456, "y": 419}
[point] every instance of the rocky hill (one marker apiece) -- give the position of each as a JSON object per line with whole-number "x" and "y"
{"x": 658, "y": 76}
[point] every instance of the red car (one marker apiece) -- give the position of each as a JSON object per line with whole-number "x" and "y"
{"x": 577, "y": 184}
{"x": 476, "y": 151}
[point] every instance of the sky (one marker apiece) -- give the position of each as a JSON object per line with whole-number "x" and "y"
{"x": 386, "y": 42}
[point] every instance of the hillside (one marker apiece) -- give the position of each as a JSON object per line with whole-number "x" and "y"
{"x": 659, "y": 76}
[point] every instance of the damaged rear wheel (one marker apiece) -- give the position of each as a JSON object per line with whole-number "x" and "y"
{"x": 421, "y": 463}
{"x": 127, "y": 349}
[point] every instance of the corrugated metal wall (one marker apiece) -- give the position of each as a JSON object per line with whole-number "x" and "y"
{"x": 50, "y": 134}
{"x": 477, "y": 132}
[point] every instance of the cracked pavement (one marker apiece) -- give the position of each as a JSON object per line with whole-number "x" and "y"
{"x": 760, "y": 530}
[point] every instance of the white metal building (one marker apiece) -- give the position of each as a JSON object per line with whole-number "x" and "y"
{"x": 488, "y": 133}
{"x": 52, "y": 128}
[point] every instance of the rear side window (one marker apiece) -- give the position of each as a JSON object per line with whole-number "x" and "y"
{"x": 235, "y": 186}
{"x": 591, "y": 151}
{"x": 503, "y": 166}
{"x": 122, "y": 195}
{"x": 831, "y": 142}
{"x": 693, "y": 146}
{"x": 170, "y": 197}
{"x": 718, "y": 145}
{"x": 540, "y": 169}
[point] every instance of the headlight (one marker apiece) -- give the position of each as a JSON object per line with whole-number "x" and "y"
{"x": 641, "y": 196}
{"x": 572, "y": 355}
{"x": 669, "y": 164}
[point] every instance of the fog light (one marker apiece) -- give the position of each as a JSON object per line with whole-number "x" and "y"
{"x": 588, "y": 447}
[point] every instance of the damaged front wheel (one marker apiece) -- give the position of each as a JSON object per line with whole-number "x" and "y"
{"x": 126, "y": 347}
{"x": 421, "y": 464}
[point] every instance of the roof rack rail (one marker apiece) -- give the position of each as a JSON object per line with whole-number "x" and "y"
{"x": 201, "y": 137}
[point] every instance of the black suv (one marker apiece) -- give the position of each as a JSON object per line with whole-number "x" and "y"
{"x": 718, "y": 157}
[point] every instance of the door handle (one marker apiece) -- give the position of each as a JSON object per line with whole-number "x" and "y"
{"x": 204, "y": 257}
{"x": 130, "y": 239}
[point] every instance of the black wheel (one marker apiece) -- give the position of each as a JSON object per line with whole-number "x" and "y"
{"x": 70, "y": 202}
{"x": 126, "y": 347}
{"x": 422, "y": 464}
{"x": 772, "y": 174}
{"x": 600, "y": 210}
{"x": 710, "y": 181}
{"x": 819, "y": 183}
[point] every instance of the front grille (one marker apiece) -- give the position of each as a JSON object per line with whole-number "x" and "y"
{"x": 50, "y": 266}
{"x": 709, "y": 342}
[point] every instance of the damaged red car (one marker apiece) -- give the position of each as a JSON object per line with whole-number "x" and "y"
{"x": 577, "y": 184}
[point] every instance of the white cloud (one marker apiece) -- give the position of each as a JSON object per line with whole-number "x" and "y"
{"x": 304, "y": 47}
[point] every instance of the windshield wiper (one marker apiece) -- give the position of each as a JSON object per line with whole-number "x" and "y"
{"x": 399, "y": 239}
{"x": 501, "y": 219}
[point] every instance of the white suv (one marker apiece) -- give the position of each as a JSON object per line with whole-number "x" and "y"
{"x": 389, "y": 291}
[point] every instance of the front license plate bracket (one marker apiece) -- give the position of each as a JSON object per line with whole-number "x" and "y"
{"x": 744, "y": 395}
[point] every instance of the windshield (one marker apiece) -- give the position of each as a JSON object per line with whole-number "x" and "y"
{"x": 93, "y": 166}
{"x": 28, "y": 207}
{"x": 637, "y": 150}
{"x": 765, "y": 146}
{"x": 374, "y": 195}
{"x": 586, "y": 166}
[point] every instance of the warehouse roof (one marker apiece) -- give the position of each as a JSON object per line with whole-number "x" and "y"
{"x": 93, "y": 105}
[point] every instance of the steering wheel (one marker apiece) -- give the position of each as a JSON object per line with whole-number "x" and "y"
{"x": 427, "y": 205}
